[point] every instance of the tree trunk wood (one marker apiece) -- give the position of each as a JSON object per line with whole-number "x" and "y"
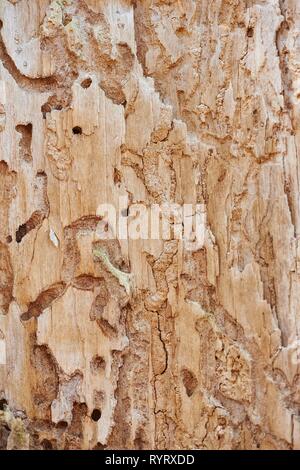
{"x": 145, "y": 344}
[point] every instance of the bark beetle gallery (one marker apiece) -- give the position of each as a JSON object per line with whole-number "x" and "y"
{"x": 110, "y": 342}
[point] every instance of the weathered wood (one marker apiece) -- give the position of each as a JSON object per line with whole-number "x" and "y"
{"x": 123, "y": 343}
